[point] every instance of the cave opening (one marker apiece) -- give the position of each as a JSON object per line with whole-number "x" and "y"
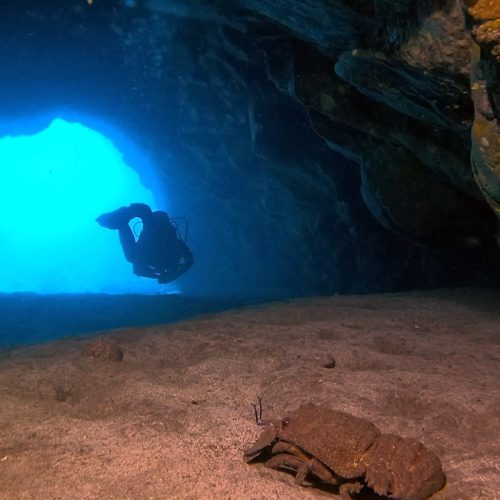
{"x": 54, "y": 183}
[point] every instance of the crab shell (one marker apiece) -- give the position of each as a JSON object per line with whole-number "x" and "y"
{"x": 354, "y": 449}
{"x": 403, "y": 467}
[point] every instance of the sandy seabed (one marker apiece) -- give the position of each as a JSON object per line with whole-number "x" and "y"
{"x": 172, "y": 419}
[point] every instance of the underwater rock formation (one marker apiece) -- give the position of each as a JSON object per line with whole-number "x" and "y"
{"x": 485, "y": 86}
{"x": 401, "y": 85}
{"x": 324, "y": 145}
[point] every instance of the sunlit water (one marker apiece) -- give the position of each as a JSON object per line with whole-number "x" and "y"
{"x": 53, "y": 185}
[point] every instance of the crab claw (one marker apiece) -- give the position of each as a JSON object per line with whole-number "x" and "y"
{"x": 266, "y": 440}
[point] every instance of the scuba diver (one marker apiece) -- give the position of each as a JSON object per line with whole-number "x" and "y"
{"x": 159, "y": 251}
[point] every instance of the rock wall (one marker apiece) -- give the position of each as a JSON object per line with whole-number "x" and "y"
{"x": 484, "y": 18}
{"x": 315, "y": 146}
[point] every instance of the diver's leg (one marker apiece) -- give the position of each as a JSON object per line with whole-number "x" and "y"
{"x": 128, "y": 243}
{"x": 132, "y": 251}
{"x": 140, "y": 210}
{"x": 115, "y": 219}
{"x": 123, "y": 215}
{"x": 119, "y": 219}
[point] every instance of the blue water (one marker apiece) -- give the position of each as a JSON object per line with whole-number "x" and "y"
{"x": 54, "y": 183}
{"x": 28, "y": 318}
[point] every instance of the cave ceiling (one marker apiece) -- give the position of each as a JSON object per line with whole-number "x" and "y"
{"x": 330, "y": 145}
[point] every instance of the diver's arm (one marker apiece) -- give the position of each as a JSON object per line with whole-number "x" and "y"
{"x": 144, "y": 271}
{"x": 140, "y": 210}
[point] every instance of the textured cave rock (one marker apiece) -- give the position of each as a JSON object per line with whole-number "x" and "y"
{"x": 415, "y": 94}
{"x": 389, "y": 168}
{"x": 484, "y": 17}
{"x": 315, "y": 146}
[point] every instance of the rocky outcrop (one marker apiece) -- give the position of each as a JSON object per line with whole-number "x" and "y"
{"x": 485, "y": 86}
{"x": 405, "y": 91}
{"x": 314, "y": 146}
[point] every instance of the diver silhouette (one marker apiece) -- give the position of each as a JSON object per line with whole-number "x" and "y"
{"x": 159, "y": 251}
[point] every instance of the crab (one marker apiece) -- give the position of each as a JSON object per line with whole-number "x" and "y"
{"x": 350, "y": 453}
